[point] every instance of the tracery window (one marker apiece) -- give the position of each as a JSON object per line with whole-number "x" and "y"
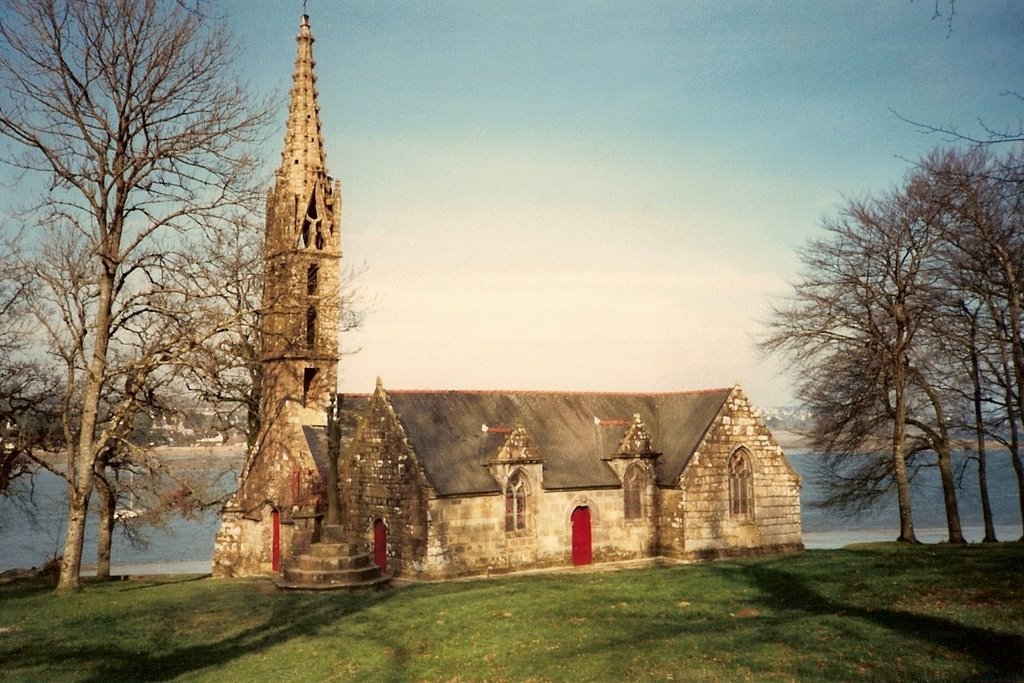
{"x": 515, "y": 503}
{"x": 741, "y": 484}
{"x": 632, "y": 492}
{"x": 311, "y": 221}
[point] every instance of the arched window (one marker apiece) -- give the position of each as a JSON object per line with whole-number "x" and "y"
{"x": 741, "y": 484}
{"x": 632, "y": 492}
{"x": 515, "y": 503}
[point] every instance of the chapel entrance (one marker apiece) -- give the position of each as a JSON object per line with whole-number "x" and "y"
{"x": 581, "y": 549}
{"x": 380, "y": 544}
{"x": 275, "y": 541}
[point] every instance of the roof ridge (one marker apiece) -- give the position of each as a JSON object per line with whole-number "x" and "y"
{"x": 555, "y": 392}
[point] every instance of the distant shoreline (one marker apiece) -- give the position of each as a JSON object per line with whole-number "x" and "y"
{"x": 788, "y": 439}
{"x": 220, "y": 451}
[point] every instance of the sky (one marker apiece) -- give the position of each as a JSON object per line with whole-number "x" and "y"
{"x": 608, "y": 196}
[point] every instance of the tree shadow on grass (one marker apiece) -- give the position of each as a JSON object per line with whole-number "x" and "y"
{"x": 999, "y": 653}
{"x": 29, "y": 588}
{"x": 117, "y": 656}
{"x": 142, "y": 583}
{"x": 292, "y": 615}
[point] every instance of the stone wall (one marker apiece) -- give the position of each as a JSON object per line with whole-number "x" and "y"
{"x": 702, "y": 504}
{"x": 243, "y": 542}
{"x": 379, "y": 479}
{"x": 671, "y": 523}
{"x": 467, "y": 534}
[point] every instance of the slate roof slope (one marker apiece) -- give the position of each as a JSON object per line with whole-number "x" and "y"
{"x": 445, "y": 430}
{"x": 353, "y": 406}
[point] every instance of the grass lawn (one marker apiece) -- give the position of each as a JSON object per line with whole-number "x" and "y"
{"x": 877, "y": 612}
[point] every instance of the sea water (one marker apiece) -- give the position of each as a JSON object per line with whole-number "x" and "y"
{"x": 32, "y": 523}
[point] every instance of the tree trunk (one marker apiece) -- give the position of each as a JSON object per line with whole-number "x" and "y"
{"x": 1011, "y": 420}
{"x": 900, "y": 460}
{"x": 979, "y": 430}
{"x": 1018, "y": 364}
{"x": 1013, "y": 310}
{"x": 939, "y": 438}
{"x": 71, "y": 561}
{"x": 1018, "y": 469}
{"x": 956, "y": 535}
{"x": 1015, "y": 459}
{"x": 81, "y": 465}
{"x": 105, "y": 535}
{"x": 903, "y": 496}
{"x": 986, "y": 504}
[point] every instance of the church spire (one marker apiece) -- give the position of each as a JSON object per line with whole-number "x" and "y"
{"x": 303, "y": 144}
{"x": 302, "y": 252}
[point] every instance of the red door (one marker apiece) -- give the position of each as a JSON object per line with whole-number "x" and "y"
{"x": 581, "y": 551}
{"x": 380, "y": 544}
{"x": 275, "y": 541}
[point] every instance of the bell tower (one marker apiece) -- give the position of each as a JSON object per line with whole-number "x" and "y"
{"x": 273, "y": 513}
{"x": 301, "y": 297}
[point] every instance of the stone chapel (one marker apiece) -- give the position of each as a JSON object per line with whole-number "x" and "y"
{"x": 439, "y": 484}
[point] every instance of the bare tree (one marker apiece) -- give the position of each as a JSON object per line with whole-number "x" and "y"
{"x": 908, "y": 317}
{"x": 862, "y": 327}
{"x": 223, "y": 373}
{"x": 130, "y": 112}
{"x": 984, "y": 256}
{"x": 849, "y": 329}
{"x": 27, "y": 387}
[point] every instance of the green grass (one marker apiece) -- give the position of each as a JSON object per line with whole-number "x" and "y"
{"x": 879, "y": 612}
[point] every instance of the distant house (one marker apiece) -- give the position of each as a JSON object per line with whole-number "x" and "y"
{"x": 439, "y": 484}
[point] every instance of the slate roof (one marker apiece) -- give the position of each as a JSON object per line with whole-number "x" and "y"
{"x": 445, "y": 430}
{"x": 353, "y": 406}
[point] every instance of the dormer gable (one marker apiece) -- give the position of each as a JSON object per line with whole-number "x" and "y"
{"x": 518, "y": 453}
{"x": 636, "y": 441}
{"x": 518, "y": 445}
{"x": 635, "y": 446}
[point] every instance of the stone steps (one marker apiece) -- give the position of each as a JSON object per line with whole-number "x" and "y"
{"x": 332, "y": 576}
{"x": 332, "y": 563}
{"x": 314, "y": 562}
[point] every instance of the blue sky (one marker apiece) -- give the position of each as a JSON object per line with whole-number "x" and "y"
{"x": 608, "y": 195}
